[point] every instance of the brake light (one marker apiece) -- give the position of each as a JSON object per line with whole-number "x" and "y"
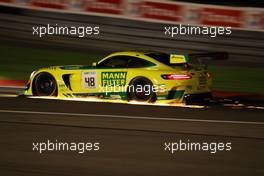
{"x": 176, "y": 76}
{"x": 208, "y": 75}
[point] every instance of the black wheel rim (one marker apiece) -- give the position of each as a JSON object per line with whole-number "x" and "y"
{"x": 146, "y": 93}
{"x": 45, "y": 85}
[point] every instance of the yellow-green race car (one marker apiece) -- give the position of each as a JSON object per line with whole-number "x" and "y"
{"x": 140, "y": 76}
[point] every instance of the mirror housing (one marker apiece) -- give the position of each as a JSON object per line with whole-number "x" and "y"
{"x": 94, "y": 64}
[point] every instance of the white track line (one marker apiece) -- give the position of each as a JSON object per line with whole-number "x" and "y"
{"x": 130, "y": 117}
{"x": 8, "y": 95}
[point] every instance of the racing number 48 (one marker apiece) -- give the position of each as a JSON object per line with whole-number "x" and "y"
{"x": 90, "y": 81}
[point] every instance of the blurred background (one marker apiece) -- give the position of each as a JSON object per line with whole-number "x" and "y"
{"x": 132, "y": 25}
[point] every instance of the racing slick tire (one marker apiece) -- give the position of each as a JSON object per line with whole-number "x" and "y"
{"x": 44, "y": 84}
{"x": 143, "y": 94}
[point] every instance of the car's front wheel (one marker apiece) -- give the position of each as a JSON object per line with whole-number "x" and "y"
{"x": 141, "y": 89}
{"x": 44, "y": 85}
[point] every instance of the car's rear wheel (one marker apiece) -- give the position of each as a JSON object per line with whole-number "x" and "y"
{"x": 45, "y": 85}
{"x": 141, "y": 89}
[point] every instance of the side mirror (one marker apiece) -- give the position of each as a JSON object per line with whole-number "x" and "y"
{"x": 94, "y": 64}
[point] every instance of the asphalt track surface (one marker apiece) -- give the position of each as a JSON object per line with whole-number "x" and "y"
{"x": 131, "y": 138}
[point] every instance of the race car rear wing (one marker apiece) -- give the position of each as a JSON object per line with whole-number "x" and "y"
{"x": 203, "y": 58}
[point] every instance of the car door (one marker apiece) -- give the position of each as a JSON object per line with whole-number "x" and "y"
{"x": 106, "y": 76}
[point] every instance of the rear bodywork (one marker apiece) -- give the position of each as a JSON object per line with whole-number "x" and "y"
{"x": 112, "y": 83}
